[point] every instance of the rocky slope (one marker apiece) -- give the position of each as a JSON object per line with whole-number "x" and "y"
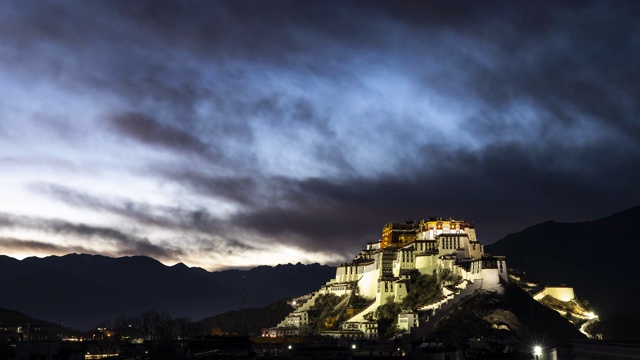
{"x": 510, "y": 314}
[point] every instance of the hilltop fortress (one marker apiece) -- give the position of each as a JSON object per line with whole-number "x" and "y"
{"x": 446, "y": 250}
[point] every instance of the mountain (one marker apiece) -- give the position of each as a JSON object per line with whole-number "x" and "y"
{"x": 247, "y": 321}
{"x": 596, "y": 257}
{"x": 82, "y": 291}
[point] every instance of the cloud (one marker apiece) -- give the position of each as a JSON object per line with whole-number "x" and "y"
{"x": 243, "y": 190}
{"x": 12, "y": 245}
{"x": 545, "y": 73}
{"x": 218, "y": 246}
{"x": 309, "y": 125}
{"x": 151, "y": 132}
{"x": 503, "y": 189}
{"x": 153, "y": 215}
{"x": 125, "y": 244}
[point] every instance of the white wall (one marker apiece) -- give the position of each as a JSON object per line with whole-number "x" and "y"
{"x": 368, "y": 283}
{"x": 385, "y": 290}
{"x": 561, "y": 293}
{"x": 400, "y": 291}
{"x": 490, "y": 277}
{"x": 426, "y": 264}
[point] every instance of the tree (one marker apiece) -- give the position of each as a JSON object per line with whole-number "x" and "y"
{"x": 449, "y": 277}
{"x": 184, "y": 328}
{"x": 128, "y": 327}
{"x": 360, "y": 301}
{"x": 423, "y": 290}
{"x": 387, "y": 316}
{"x": 390, "y": 310}
{"x": 324, "y": 307}
{"x": 156, "y": 325}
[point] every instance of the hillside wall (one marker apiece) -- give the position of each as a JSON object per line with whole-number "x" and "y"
{"x": 562, "y": 293}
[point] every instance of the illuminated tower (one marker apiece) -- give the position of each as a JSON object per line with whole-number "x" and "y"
{"x": 392, "y": 233}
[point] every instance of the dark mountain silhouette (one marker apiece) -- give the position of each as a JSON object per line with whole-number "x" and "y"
{"x": 11, "y": 320}
{"x": 82, "y": 291}
{"x": 596, "y": 257}
{"x": 248, "y": 321}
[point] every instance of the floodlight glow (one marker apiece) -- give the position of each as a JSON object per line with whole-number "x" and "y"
{"x": 537, "y": 350}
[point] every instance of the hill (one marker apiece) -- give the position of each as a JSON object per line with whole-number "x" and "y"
{"x": 247, "y": 321}
{"x": 510, "y": 314}
{"x": 595, "y": 257}
{"x": 11, "y": 320}
{"x": 81, "y": 291}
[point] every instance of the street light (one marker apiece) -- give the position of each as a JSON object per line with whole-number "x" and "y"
{"x": 537, "y": 351}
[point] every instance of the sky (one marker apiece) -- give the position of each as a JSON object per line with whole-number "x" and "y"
{"x": 231, "y": 134}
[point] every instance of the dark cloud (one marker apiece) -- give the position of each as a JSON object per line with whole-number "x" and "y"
{"x": 9, "y": 245}
{"x": 73, "y": 197}
{"x": 149, "y": 131}
{"x": 125, "y": 244}
{"x": 264, "y": 31}
{"x": 243, "y": 190}
{"x": 559, "y": 69}
{"x": 162, "y": 216}
{"x": 235, "y": 243}
{"x": 503, "y": 189}
{"x": 218, "y": 246}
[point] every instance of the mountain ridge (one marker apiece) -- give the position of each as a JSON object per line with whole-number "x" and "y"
{"x": 592, "y": 256}
{"x": 83, "y": 290}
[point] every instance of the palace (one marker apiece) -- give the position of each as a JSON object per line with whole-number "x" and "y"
{"x": 380, "y": 273}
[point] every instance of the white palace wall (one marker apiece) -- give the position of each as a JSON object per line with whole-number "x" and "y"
{"x": 562, "y": 293}
{"x": 368, "y": 283}
{"x": 427, "y": 264}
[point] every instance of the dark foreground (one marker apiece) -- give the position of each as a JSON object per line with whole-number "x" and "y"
{"x": 238, "y": 347}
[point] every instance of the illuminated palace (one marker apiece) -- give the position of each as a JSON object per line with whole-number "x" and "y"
{"x": 380, "y": 274}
